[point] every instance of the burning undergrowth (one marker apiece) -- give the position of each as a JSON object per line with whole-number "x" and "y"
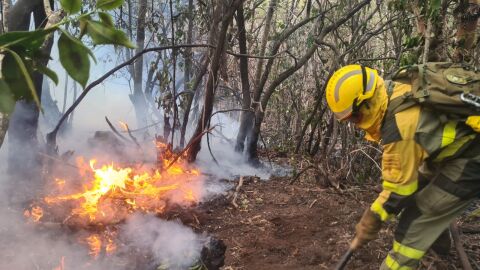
{"x": 113, "y": 211}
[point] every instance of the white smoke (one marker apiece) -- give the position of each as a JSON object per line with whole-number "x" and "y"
{"x": 29, "y": 246}
{"x": 173, "y": 245}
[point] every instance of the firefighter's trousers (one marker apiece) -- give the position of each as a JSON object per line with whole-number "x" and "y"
{"x": 452, "y": 186}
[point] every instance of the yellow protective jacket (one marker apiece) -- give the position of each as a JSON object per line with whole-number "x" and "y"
{"x": 413, "y": 141}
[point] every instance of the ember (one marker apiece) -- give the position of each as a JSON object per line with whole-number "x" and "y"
{"x": 34, "y": 214}
{"x": 95, "y": 245}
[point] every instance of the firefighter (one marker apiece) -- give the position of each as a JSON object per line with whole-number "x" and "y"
{"x": 430, "y": 167}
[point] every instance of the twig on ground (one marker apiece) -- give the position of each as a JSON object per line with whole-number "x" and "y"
{"x": 237, "y": 189}
{"x": 311, "y": 205}
{"x": 462, "y": 255}
{"x": 470, "y": 229}
{"x": 302, "y": 172}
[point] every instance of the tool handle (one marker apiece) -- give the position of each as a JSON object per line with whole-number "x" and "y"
{"x": 345, "y": 258}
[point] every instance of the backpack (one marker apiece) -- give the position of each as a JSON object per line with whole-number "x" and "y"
{"x": 451, "y": 89}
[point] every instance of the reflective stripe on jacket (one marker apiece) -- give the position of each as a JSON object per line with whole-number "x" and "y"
{"x": 413, "y": 139}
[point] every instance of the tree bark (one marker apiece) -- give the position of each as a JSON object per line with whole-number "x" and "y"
{"x": 23, "y": 144}
{"x": 138, "y": 97}
{"x": 174, "y": 73}
{"x": 216, "y": 55}
{"x": 246, "y": 117}
{"x": 253, "y": 136}
{"x": 188, "y": 71}
{"x": 263, "y": 46}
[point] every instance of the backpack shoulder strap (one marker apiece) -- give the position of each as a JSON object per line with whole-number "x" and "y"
{"x": 397, "y": 104}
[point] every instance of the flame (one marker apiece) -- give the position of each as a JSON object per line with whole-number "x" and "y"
{"x": 62, "y": 264}
{"x": 95, "y": 245}
{"x": 60, "y": 183}
{"x": 109, "y": 193}
{"x": 35, "y": 214}
{"x": 110, "y": 246}
{"x": 123, "y": 125}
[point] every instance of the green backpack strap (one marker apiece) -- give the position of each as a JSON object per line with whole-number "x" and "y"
{"x": 397, "y": 104}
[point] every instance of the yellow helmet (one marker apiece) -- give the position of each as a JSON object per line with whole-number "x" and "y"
{"x": 348, "y": 88}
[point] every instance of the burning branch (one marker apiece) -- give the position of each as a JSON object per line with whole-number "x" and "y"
{"x": 125, "y": 125}
{"x": 192, "y": 141}
{"x": 115, "y": 130}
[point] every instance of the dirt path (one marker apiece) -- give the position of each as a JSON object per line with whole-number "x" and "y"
{"x": 299, "y": 226}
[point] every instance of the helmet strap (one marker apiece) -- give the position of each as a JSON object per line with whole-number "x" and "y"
{"x": 355, "y": 106}
{"x": 364, "y": 79}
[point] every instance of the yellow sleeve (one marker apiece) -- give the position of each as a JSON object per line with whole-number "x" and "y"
{"x": 400, "y": 162}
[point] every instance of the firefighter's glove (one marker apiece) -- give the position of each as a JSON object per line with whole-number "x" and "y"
{"x": 366, "y": 229}
{"x": 474, "y": 122}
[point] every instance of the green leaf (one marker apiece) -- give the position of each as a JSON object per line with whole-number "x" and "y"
{"x": 7, "y": 99}
{"x": 49, "y": 73}
{"x": 71, "y": 6}
{"x": 74, "y": 58}
{"x": 28, "y": 39}
{"x": 17, "y": 76}
{"x": 109, "y": 4}
{"x": 102, "y": 34}
{"x": 106, "y": 19}
{"x": 435, "y": 7}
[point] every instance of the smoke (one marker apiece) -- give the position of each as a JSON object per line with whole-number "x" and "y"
{"x": 29, "y": 246}
{"x": 173, "y": 245}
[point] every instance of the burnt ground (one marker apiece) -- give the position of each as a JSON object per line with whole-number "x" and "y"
{"x": 279, "y": 225}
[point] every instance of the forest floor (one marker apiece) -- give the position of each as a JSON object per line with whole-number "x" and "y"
{"x": 279, "y": 225}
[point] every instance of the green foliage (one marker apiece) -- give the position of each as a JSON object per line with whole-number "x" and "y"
{"x": 48, "y": 72}
{"x": 397, "y": 5}
{"x": 106, "y": 19}
{"x": 71, "y": 6}
{"x": 7, "y": 99}
{"x": 18, "y": 77}
{"x": 310, "y": 41}
{"x": 409, "y": 58}
{"x": 412, "y": 42}
{"x": 434, "y": 8}
{"x": 23, "y": 51}
{"x": 103, "y": 34}
{"x": 74, "y": 58}
{"x": 28, "y": 40}
{"x": 109, "y": 4}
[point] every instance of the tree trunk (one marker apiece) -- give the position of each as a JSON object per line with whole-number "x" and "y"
{"x": 263, "y": 46}
{"x": 216, "y": 55}
{"x": 188, "y": 71}
{"x": 138, "y": 97}
{"x": 260, "y": 110}
{"x": 246, "y": 118}
{"x": 174, "y": 73}
{"x": 23, "y": 144}
{"x": 188, "y": 107}
{"x": 151, "y": 78}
